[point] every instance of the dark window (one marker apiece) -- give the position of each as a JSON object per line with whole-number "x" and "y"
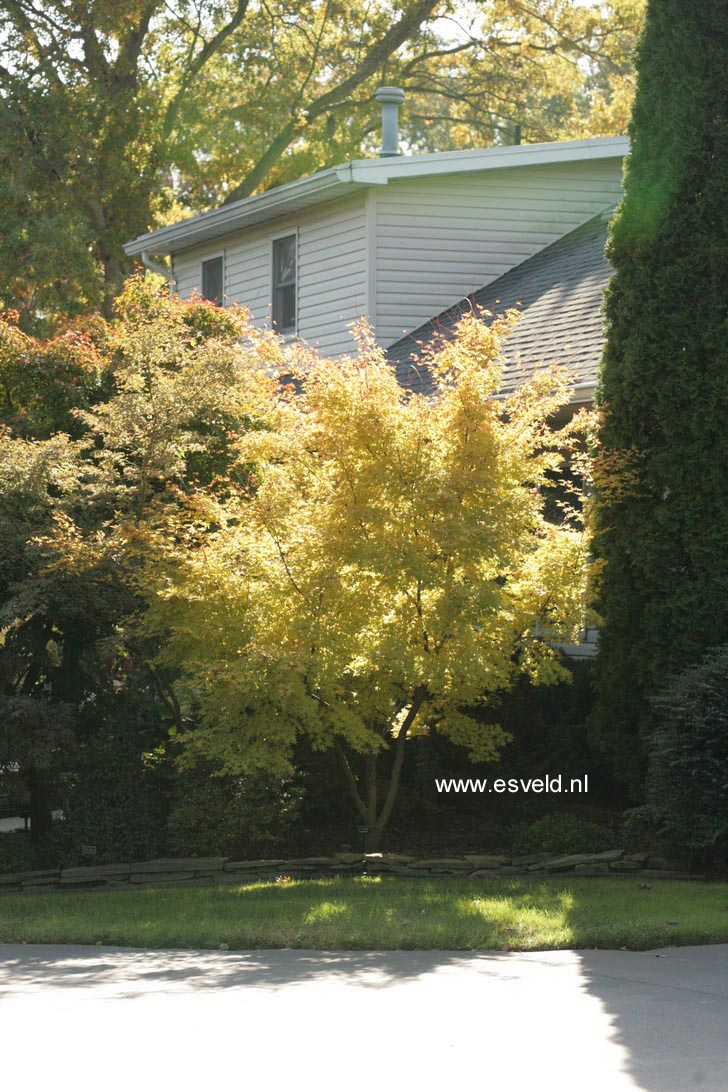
{"x": 284, "y": 284}
{"x": 212, "y": 280}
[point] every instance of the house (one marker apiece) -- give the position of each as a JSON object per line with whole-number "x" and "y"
{"x": 410, "y": 242}
{"x": 397, "y": 239}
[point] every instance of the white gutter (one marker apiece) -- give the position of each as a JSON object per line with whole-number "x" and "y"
{"x": 584, "y": 391}
{"x": 578, "y": 393}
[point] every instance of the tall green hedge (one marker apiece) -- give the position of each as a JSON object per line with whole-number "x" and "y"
{"x": 686, "y": 815}
{"x": 662, "y": 499}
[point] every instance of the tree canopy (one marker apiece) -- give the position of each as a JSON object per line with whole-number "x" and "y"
{"x": 116, "y": 117}
{"x": 391, "y": 564}
{"x": 213, "y": 535}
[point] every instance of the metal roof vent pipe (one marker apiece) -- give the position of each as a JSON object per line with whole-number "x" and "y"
{"x": 391, "y": 99}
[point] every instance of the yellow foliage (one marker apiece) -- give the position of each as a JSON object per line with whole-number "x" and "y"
{"x": 393, "y": 562}
{"x": 317, "y": 552}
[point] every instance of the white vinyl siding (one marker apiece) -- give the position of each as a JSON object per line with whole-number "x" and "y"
{"x": 403, "y": 252}
{"x": 187, "y": 269}
{"x": 439, "y": 239}
{"x": 332, "y": 285}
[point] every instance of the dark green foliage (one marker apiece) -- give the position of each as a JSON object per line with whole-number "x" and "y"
{"x": 230, "y": 816}
{"x": 548, "y": 726}
{"x": 17, "y": 853}
{"x": 115, "y": 795}
{"x": 132, "y": 805}
{"x": 687, "y": 811}
{"x": 549, "y": 737}
{"x": 47, "y": 261}
{"x": 662, "y": 513}
{"x": 561, "y": 833}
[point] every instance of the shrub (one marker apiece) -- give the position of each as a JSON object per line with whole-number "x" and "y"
{"x": 17, "y": 853}
{"x": 113, "y": 800}
{"x": 230, "y": 816}
{"x": 561, "y": 833}
{"x": 687, "y": 808}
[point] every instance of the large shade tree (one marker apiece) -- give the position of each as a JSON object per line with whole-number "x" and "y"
{"x": 118, "y": 115}
{"x": 662, "y": 512}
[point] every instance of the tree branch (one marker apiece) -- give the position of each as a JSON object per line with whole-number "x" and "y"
{"x": 34, "y": 43}
{"x": 376, "y": 59}
{"x": 351, "y": 782}
{"x": 126, "y": 67}
{"x": 314, "y": 54}
{"x": 198, "y": 63}
{"x": 97, "y": 65}
{"x": 167, "y": 694}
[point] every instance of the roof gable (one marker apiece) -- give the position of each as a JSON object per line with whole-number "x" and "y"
{"x": 559, "y": 293}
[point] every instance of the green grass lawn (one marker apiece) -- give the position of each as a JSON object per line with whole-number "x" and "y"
{"x": 379, "y": 913}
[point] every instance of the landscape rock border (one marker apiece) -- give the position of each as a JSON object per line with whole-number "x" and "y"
{"x": 188, "y": 871}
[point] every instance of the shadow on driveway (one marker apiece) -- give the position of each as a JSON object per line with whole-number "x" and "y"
{"x": 592, "y": 1021}
{"x": 131, "y": 970}
{"x": 669, "y": 1012}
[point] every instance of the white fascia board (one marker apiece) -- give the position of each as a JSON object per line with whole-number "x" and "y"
{"x": 239, "y": 214}
{"x": 480, "y": 159}
{"x": 337, "y": 181}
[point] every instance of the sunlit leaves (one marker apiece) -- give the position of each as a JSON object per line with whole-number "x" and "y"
{"x": 121, "y": 116}
{"x": 391, "y": 546}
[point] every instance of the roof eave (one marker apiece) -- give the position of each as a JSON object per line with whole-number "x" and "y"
{"x": 349, "y": 177}
{"x": 240, "y": 214}
{"x": 521, "y": 155}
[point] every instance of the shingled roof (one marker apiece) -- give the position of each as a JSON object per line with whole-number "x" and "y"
{"x": 559, "y": 294}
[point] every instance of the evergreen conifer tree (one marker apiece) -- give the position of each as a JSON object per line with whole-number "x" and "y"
{"x": 661, "y": 521}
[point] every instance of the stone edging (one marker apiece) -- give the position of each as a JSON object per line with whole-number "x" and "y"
{"x": 211, "y": 870}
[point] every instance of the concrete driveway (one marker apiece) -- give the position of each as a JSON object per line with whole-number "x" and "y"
{"x": 591, "y": 1021}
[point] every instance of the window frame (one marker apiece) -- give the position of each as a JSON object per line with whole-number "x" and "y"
{"x": 213, "y": 258}
{"x": 290, "y": 233}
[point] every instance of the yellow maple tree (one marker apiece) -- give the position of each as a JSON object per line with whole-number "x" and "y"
{"x": 387, "y": 561}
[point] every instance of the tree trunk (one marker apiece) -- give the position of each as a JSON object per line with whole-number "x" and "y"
{"x": 370, "y": 762}
{"x": 109, "y": 255}
{"x": 372, "y": 840}
{"x": 41, "y": 817}
{"x": 113, "y": 282}
{"x": 367, "y": 805}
